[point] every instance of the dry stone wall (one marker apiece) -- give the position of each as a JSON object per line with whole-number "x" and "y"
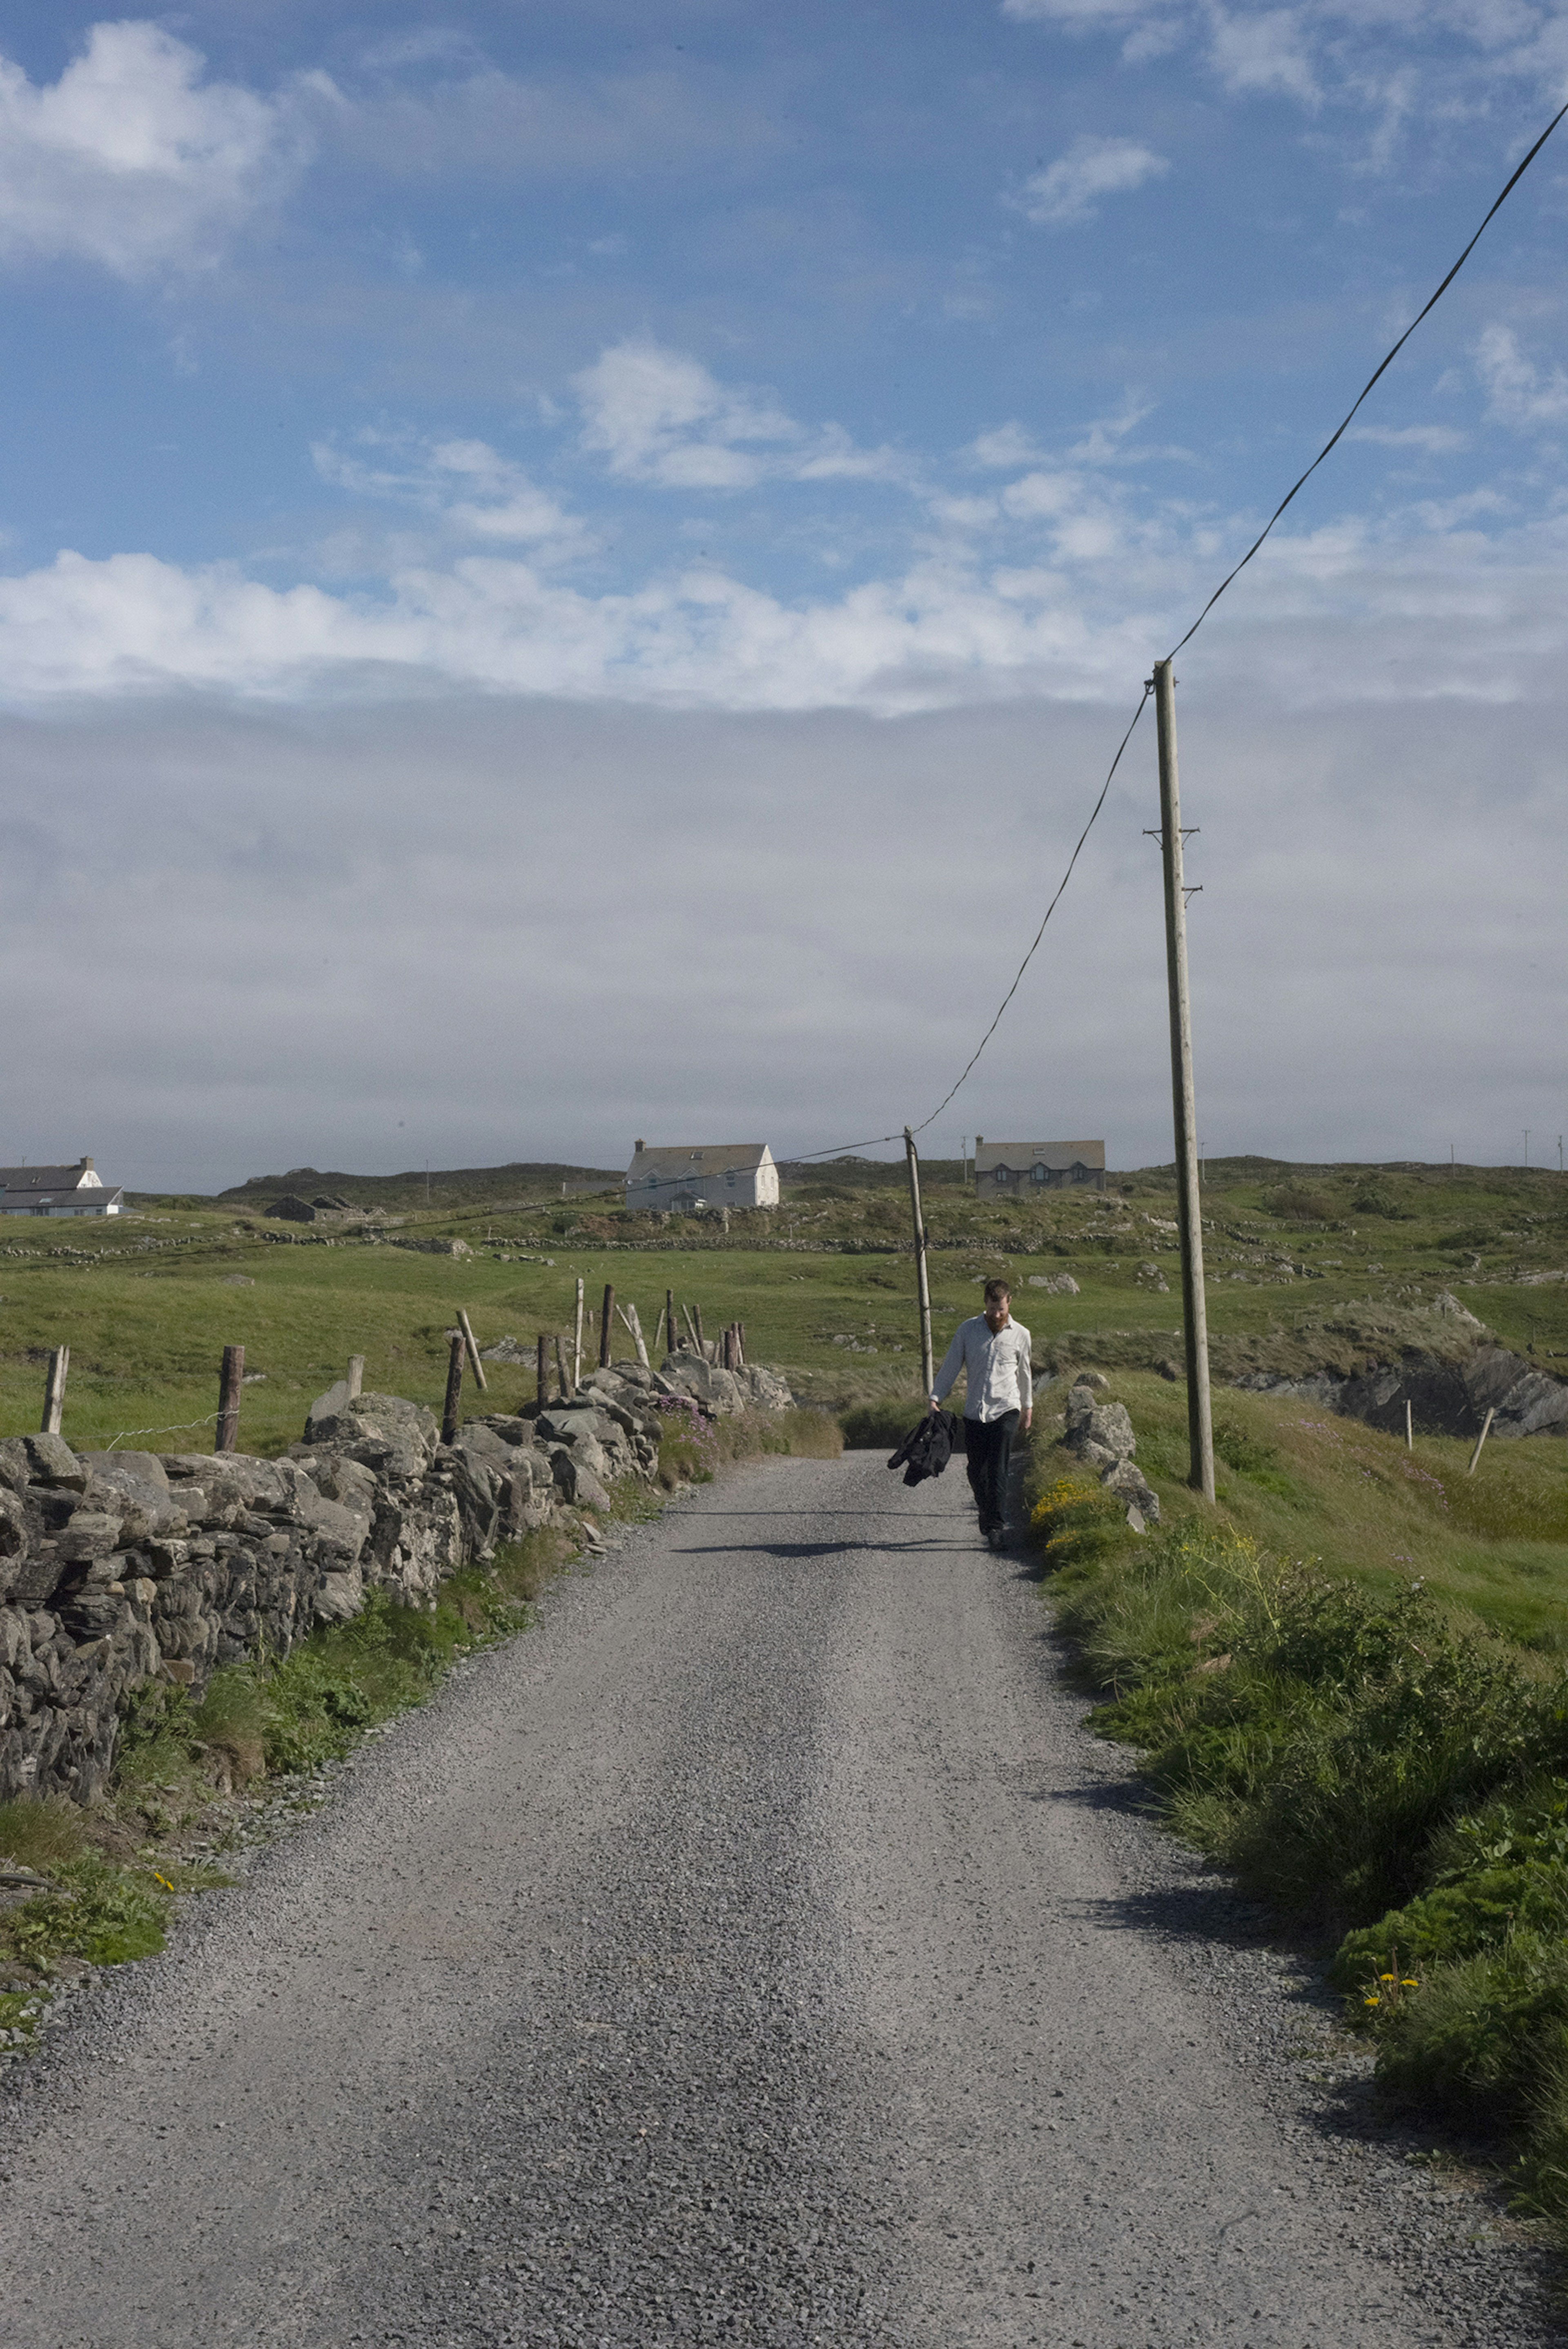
{"x": 116, "y": 1567}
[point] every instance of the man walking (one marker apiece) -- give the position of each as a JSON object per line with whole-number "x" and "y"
{"x": 993, "y": 1349}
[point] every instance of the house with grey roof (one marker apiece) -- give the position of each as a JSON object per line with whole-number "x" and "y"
{"x": 712, "y": 1175}
{"x": 1003, "y": 1166}
{"x": 77, "y": 1190}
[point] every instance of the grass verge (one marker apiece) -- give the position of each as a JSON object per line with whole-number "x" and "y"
{"x": 1386, "y": 1770}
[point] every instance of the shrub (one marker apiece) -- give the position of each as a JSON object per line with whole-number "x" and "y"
{"x": 1074, "y": 1522}
{"x": 1292, "y": 1204}
{"x": 880, "y": 1425}
{"x": 105, "y": 1914}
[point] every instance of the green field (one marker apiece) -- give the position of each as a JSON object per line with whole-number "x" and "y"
{"x": 824, "y": 1285}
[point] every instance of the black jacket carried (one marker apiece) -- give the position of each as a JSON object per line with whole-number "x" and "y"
{"x": 928, "y": 1447}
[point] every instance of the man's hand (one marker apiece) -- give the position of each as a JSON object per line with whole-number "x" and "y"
{"x": 932, "y": 1406}
{"x": 1024, "y": 1421}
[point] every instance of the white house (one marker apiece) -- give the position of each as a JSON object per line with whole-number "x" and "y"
{"x": 1003, "y": 1166}
{"x": 719, "y": 1175}
{"x": 57, "y": 1191}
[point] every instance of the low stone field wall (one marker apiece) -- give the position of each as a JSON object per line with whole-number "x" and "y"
{"x": 116, "y": 1567}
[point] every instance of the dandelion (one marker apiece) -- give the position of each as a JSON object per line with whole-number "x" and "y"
{"x": 164, "y": 1880}
{"x": 1372, "y": 1999}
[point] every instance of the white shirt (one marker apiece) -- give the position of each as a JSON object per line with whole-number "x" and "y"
{"x": 997, "y": 1366}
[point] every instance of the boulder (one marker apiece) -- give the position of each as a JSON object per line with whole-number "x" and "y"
{"x": 764, "y": 1389}
{"x": 1446, "y": 1303}
{"x": 42, "y": 1460}
{"x": 1131, "y": 1486}
{"x": 577, "y": 1480}
{"x": 340, "y": 1596}
{"x": 1055, "y": 1284}
{"x": 508, "y": 1350}
{"x": 1098, "y": 1433}
{"x": 717, "y": 1390}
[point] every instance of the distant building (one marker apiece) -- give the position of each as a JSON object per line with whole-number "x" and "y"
{"x": 719, "y": 1175}
{"x": 56, "y": 1191}
{"x": 1038, "y": 1166}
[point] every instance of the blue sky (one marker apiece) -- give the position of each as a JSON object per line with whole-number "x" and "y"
{"x": 640, "y": 525}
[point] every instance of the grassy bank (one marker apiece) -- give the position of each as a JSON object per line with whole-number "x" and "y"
{"x": 1345, "y": 1683}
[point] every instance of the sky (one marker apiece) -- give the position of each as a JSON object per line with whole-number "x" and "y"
{"x": 571, "y": 572}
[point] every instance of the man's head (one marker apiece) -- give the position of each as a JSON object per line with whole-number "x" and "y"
{"x": 998, "y": 1305}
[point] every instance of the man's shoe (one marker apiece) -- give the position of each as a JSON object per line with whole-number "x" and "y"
{"x": 997, "y": 1536}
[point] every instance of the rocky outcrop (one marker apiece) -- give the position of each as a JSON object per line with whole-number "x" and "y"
{"x": 119, "y": 1567}
{"x": 1447, "y": 1396}
{"x": 1100, "y": 1435}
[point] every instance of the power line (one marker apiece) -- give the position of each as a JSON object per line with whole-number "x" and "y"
{"x": 1381, "y": 367}
{"x": 1512, "y": 182}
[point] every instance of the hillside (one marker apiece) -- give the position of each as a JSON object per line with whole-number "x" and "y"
{"x": 447, "y": 1186}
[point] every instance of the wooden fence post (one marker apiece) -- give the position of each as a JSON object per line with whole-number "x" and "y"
{"x": 464, "y": 1324}
{"x": 629, "y": 1315}
{"x": 355, "y": 1375}
{"x": 697, "y": 1325}
{"x": 692, "y": 1329}
{"x": 606, "y": 1326}
{"x": 232, "y": 1378}
{"x": 55, "y": 1390}
{"x": 561, "y": 1369}
{"x": 670, "y": 1339}
{"x": 1475, "y": 1455}
{"x": 1409, "y": 1428}
{"x": 740, "y": 1341}
{"x": 577, "y": 1338}
{"x": 452, "y": 1410}
{"x": 543, "y": 1372}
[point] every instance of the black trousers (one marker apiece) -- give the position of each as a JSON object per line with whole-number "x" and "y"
{"x": 988, "y": 1452}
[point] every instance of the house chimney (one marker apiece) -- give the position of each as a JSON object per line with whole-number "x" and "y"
{"x": 87, "y": 1165}
{"x": 640, "y": 1145}
{"x": 978, "y": 1140}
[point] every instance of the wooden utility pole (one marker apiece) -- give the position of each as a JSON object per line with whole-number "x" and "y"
{"x": 1188, "y": 1200}
{"x": 577, "y": 1338}
{"x": 543, "y": 1371}
{"x": 481, "y": 1382}
{"x": 55, "y": 1390}
{"x": 452, "y": 1411}
{"x": 232, "y": 1378}
{"x": 922, "y": 1286}
{"x": 356, "y": 1376}
{"x": 606, "y": 1326}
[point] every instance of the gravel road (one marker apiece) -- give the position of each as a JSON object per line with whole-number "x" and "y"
{"x": 757, "y": 1952}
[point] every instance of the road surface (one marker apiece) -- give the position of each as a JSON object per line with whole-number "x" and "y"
{"x": 757, "y": 1952}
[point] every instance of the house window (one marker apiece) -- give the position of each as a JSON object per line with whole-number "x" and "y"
{"x": 1002, "y": 1174}
{"x": 1042, "y": 1174}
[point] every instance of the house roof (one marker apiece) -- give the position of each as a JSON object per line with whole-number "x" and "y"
{"x": 50, "y": 1178}
{"x": 1057, "y": 1156}
{"x": 698, "y": 1163}
{"x": 15, "y": 1201}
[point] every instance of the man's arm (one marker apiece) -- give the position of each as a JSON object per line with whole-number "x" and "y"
{"x": 952, "y": 1363}
{"x": 1025, "y": 1383}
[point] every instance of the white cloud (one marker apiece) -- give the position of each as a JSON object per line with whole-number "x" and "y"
{"x": 1430, "y": 440}
{"x": 1068, "y": 191}
{"x": 659, "y": 415}
{"x": 1263, "y": 52}
{"x": 130, "y": 160}
{"x": 475, "y": 492}
{"x": 1007, "y": 446}
{"x": 1518, "y": 393}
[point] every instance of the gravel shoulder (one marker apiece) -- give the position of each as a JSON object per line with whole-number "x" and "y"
{"x": 757, "y": 1952}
